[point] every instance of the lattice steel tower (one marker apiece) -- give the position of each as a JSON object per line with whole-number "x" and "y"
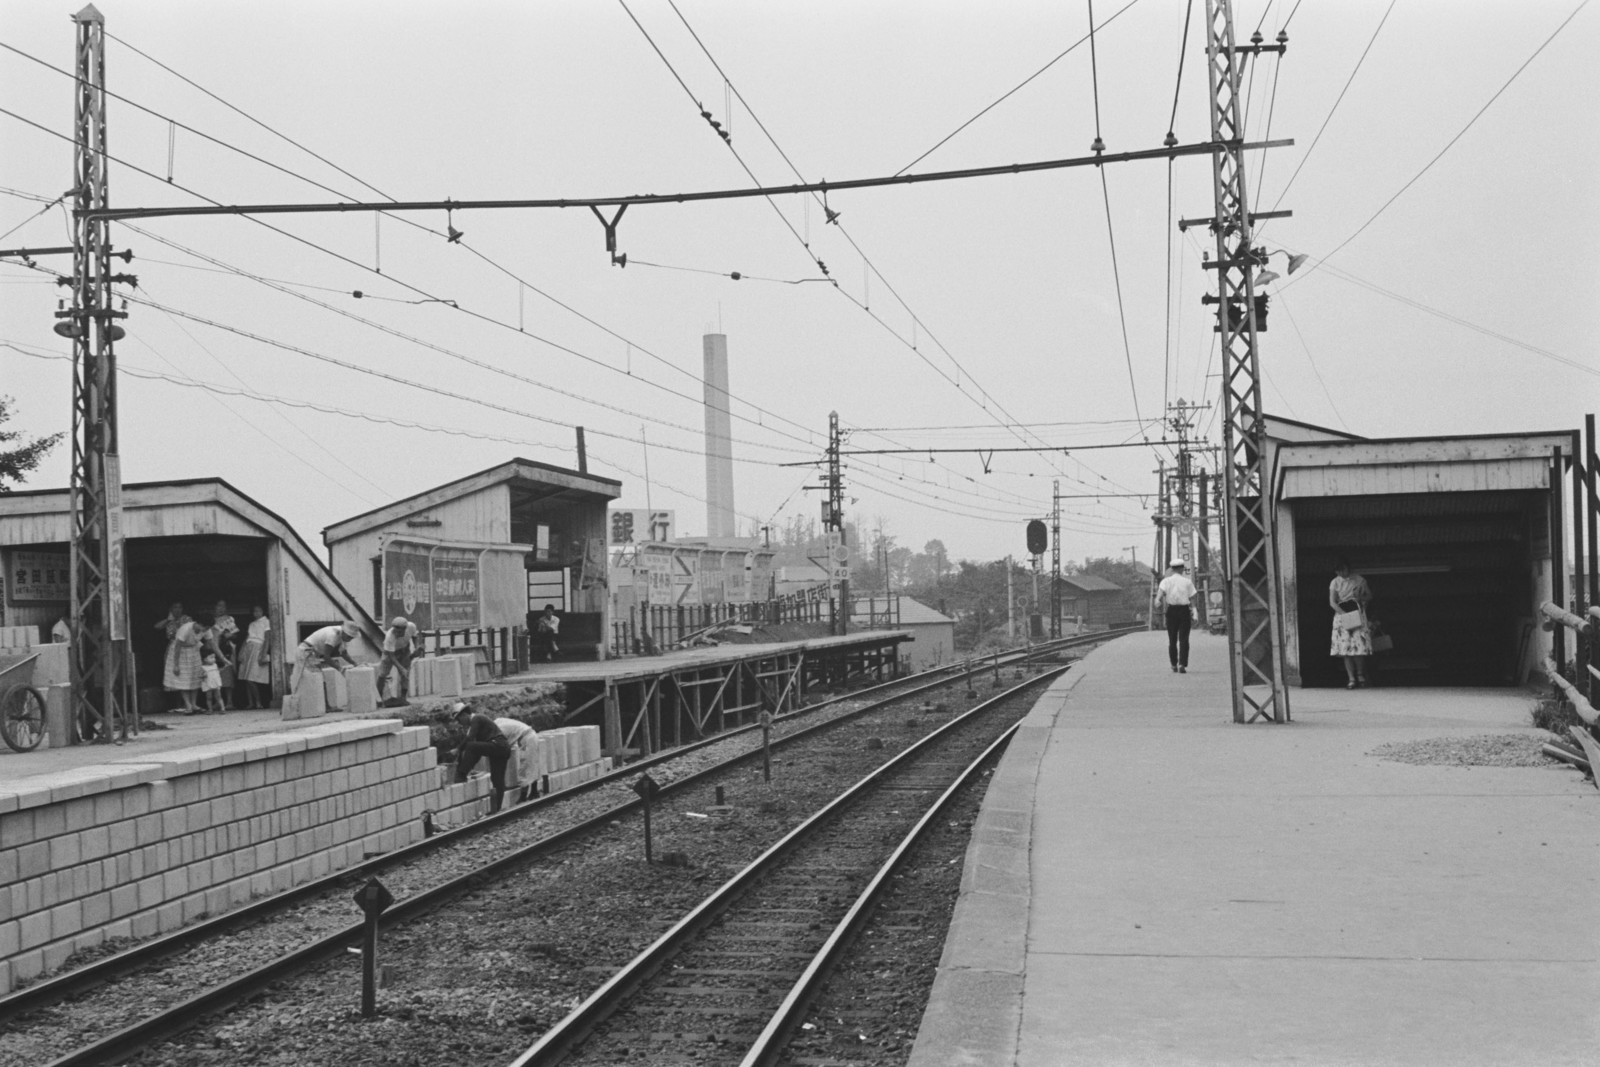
{"x": 1255, "y": 631}
{"x": 98, "y": 610}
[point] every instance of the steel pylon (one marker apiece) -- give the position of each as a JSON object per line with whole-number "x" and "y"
{"x": 1255, "y": 630}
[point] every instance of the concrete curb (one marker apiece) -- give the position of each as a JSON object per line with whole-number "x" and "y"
{"x": 974, "y": 1011}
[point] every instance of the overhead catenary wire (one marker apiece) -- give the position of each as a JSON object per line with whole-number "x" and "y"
{"x": 861, "y": 304}
{"x": 1359, "y": 230}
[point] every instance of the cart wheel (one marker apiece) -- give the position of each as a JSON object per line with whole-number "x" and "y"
{"x": 22, "y": 717}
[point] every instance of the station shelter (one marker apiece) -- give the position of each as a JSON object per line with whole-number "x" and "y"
{"x": 1452, "y": 534}
{"x": 933, "y": 633}
{"x": 197, "y": 541}
{"x": 485, "y": 552}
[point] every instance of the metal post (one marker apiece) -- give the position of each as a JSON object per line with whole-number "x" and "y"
{"x": 98, "y": 612}
{"x": 374, "y": 899}
{"x": 1055, "y": 559}
{"x": 1255, "y": 632}
{"x": 1580, "y": 647}
{"x": 1558, "y": 578}
{"x": 766, "y": 746}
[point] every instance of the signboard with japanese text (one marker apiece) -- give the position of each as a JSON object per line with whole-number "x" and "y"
{"x": 116, "y": 574}
{"x": 657, "y": 564}
{"x": 407, "y": 584}
{"x": 455, "y": 592}
{"x": 39, "y": 576}
{"x": 631, "y": 526}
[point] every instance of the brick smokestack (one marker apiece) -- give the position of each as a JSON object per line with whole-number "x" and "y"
{"x": 720, "y": 520}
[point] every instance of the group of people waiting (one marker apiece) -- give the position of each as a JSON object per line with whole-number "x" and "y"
{"x": 209, "y": 655}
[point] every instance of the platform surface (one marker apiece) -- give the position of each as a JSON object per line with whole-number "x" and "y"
{"x": 1150, "y": 883}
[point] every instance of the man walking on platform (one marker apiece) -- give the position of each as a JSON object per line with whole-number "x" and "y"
{"x": 1176, "y": 592}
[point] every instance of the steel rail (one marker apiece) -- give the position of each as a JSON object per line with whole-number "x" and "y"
{"x": 186, "y": 1014}
{"x": 556, "y": 1042}
{"x": 82, "y": 979}
{"x": 774, "y": 1037}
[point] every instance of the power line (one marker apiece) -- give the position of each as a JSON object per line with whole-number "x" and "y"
{"x": 1462, "y": 133}
{"x": 1329, "y": 118}
{"x": 1015, "y": 89}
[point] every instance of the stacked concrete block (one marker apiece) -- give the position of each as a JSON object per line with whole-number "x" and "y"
{"x": 57, "y": 716}
{"x": 446, "y": 676}
{"x": 422, "y": 676}
{"x": 19, "y": 636}
{"x": 469, "y": 668}
{"x": 569, "y": 755}
{"x": 138, "y": 848}
{"x": 310, "y": 700}
{"x": 335, "y": 692}
{"x": 54, "y": 665}
{"x": 362, "y": 687}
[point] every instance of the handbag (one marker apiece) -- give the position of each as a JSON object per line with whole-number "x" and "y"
{"x": 1348, "y": 620}
{"x": 1381, "y": 641}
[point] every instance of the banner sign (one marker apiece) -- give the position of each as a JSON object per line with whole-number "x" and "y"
{"x": 407, "y": 585}
{"x": 39, "y": 576}
{"x": 455, "y": 592}
{"x": 116, "y": 575}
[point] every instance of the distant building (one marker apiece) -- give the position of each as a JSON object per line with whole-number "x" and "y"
{"x": 933, "y": 635}
{"x": 1095, "y": 600}
{"x": 485, "y": 550}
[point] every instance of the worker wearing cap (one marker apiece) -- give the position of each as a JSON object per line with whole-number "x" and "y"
{"x": 401, "y": 641}
{"x": 1176, "y": 592}
{"x": 484, "y": 740}
{"x": 323, "y": 648}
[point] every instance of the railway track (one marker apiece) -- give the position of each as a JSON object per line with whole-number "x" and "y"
{"x": 731, "y": 980}
{"x": 179, "y": 975}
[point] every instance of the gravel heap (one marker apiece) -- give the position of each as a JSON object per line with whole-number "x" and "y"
{"x": 1479, "y": 750}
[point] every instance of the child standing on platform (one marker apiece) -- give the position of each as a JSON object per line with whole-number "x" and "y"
{"x": 211, "y": 683}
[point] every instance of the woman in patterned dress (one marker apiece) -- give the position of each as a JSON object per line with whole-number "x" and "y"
{"x": 1350, "y": 592}
{"x": 182, "y": 669}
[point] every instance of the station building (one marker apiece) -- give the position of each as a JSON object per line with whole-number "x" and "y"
{"x": 485, "y": 551}
{"x": 1452, "y": 533}
{"x": 195, "y": 540}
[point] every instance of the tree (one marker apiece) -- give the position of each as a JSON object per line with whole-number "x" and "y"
{"x": 18, "y": 456}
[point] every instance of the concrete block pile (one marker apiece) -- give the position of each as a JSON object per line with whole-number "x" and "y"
{"x": 443, "y": 676}
{"x": 19, "y": 636}
{"x": 140, "y": 847}
{"x": 569, "y": 755}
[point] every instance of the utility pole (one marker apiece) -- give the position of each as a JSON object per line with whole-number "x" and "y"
{"x": 1011, "y": 606}
{"x": 98, "y": 611}
{"x": 1255, "y": 630}
{"x": 1055, "y": 558}
{"x": 833, "y": 519}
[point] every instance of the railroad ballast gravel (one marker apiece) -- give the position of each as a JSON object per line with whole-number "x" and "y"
{"x": 1479, "y": 750}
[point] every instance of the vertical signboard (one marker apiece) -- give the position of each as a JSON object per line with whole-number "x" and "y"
{"x": 116, "y": 575}
{"x": 455, "y": 592}
{"x": 407, "y": 584}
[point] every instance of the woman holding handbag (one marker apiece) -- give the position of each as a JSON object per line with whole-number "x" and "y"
{"x": 1348, "y": 596}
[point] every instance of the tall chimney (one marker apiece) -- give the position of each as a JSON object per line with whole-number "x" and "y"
{"x": 720, "y": 521}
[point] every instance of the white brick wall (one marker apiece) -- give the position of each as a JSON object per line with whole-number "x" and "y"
{"x": 141, "y": 847}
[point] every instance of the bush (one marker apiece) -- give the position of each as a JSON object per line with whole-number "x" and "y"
{"x": 542, "y": 708}
{"x": 1555, "y": 714}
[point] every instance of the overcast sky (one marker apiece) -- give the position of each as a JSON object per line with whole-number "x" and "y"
{"x": 1467, "y": 305}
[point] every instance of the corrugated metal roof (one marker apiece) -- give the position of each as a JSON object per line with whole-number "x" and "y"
{"x": 912, "y": 612}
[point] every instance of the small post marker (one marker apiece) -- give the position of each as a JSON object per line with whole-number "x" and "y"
{"x": 647, "y": 787}
{"x": 374, "y": 900}
{"x": 971, "y": 692}
{"x": 997, "y": 682}
{"x": 766, "y": 746}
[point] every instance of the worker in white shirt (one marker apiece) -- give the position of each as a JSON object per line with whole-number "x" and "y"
{"x": 1176, "y": 593}
{"x": 401, "y": 641}
{"x": 522, "y": 774}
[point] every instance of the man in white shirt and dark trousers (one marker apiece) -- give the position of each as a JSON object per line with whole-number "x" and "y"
{"x": 1176, "y": 592}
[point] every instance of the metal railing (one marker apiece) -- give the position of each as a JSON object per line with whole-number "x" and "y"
{"x": 1586, "y": 634}
{"x": 504, "y": 648}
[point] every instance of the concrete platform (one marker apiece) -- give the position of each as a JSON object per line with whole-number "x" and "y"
{"x": 1150, "y": 883}
{"x": 636, "y": 668}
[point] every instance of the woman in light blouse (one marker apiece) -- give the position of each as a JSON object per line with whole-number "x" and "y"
{"x": 1350, "y": 592}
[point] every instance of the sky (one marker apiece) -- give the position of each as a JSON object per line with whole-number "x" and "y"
{"x": 1446, "y": 202}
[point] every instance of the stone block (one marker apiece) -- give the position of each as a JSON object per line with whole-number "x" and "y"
{"x": 17, "y": 829}
{"x": 96, "y": 842}
{"x": 447, "y": 676}
{"x": 26, "y": 965}
{"x": 10, "y": 939}
{"x": 56, "y": 954}
{"x": 362, "y": 690}
{"x": 92, "y": 937}
{"x": 66, "y": 919}
{"x": 33, "y": 930}
{"x": 169, "y": 917}
{"x": 58, "y": 714}
{"x": 336, "y": 693}
{"x": 96, "y": 910}
{"x": 53, "y": 666}
{"x": 311, "y": 699}
{"x": 33, "y": 860}
{"x": 144, "y": 924}
{"x": 124, "y": 900}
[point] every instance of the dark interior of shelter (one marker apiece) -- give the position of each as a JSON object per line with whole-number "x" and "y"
{"x": 1451, "y": 576}
{"x": 197, "y": 570}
